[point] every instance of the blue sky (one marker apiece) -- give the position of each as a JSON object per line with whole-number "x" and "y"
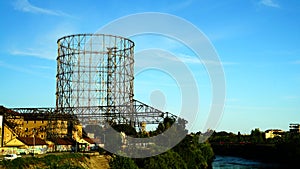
{"x": 258, "y": 42}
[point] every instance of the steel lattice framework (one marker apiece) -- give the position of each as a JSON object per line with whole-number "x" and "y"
{"x": 94, "y": 84}
{"x": 141, "y": 113}
{"x": 94, "y": 70}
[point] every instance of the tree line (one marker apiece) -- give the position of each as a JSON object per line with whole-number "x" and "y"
{"x": 189, "y": 153}
{"x": 284, "y": 148}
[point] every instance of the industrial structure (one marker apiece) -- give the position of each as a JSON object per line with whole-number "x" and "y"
{"x": 295, "y": 128}
{"x": 94, "y": 85}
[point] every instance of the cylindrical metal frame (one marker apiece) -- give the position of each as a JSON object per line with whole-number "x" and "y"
{"x": 94, "y": 70}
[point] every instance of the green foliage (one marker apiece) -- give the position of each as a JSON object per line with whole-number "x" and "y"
{"x": 20, "y": 163}
{"x": 126, "y": 128}
{"x": 119, "y": 162}
{"x": 169, "y": 159}
{"x": 175, "y": 129}
{"x": 207, "y": 152}
{"x": 257, "y": 136}
{"x": 275, "y": 140}
{"x": 223, "y": 136}
{"x": 166, "y": 124}
{"x": 189, "y": 153}
{"x": 195, "y": 154}
{"x": 289, "y": 148}
{"x": 96, "y": 129}
{"x": 113, "y": 140}
{"x": 284, "y": 148}
{"x": 49, "y": 162}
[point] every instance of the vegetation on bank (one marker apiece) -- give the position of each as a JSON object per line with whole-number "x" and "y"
{"x": 63, "y": 161}
{"x": 280, "y": 149}
{"x": 189, "y": 153}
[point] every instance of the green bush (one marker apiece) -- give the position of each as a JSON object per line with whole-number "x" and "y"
{"x": 119, "y": 162}
{"x": 49, "y": 162}
{"x": 169, "y": 159}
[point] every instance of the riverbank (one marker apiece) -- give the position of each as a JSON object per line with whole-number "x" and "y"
{"x": 63, "y": 160}
{"x": 268, "y": 153}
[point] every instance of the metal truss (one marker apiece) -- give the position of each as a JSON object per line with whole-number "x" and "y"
{"x": 94, "y": 84}
{"x": 141, "y": 112}
{"x": 37, "y": 111}
{"x": 94, "y": 70}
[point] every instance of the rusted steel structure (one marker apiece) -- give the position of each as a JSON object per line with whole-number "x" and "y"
{"x": 94, "y": 70}
{"x": 95, "y": 83}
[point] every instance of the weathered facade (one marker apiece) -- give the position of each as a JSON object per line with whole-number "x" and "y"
{"x": 35, "y": 125}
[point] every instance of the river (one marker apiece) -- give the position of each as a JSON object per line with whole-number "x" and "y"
{"x": 229, "y": 162}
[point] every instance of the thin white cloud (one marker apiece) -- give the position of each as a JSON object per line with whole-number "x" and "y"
{"x": 26, "y": 70}
{"x": 270, "y": 3}
{"x": 146, "y": 60}
{"x": 44, "y": 46}
{"x": 43, "y": 67}
{"x": 25, "y": 6}
{"x": 194, "y": 60}
{"x": 16, "y": 68}
{"x": 45, "y": 54}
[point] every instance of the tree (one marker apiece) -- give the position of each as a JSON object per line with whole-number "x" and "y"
{"x": 195, "y": 154}
{"x": 175, "y": 128}
{"x": 256, "y": 136}
{"x": 95, "y": 129}
{"x": 113, "y": 140}
{"x": 169, "y": 159}
{"x": 126, "y": 128}
{"x": 119, "y": 162}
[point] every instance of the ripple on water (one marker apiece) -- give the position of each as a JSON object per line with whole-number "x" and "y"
{"x": 229, "y": 162}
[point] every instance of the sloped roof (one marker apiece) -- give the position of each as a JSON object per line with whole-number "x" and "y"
{"x": 97, "y": 140}
{"x": 30, "y": 141}
{"x": 4, "y": 110}
{"x": 89, "y": 140}
{"x": 62, "y": 141}
{"x": 274, "y": 130}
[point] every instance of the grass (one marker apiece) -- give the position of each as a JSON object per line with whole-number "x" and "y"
{"x": 64, "y": 161}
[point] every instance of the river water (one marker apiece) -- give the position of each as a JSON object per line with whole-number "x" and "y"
{"x": 229, "y": 162}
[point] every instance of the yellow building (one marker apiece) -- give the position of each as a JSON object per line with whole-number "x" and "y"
{"x": 31, "y": 144}
{"x": 273, "y": 133}
{"x": 8, "y": 134}
{"x": 40, "y": 125}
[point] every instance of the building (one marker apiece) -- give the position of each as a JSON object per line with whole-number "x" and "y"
{"x": 18, "y": 130}
{"x": 87, "y": 144}
{"x": 30, "y": 144}
{"x": 61, "y": 144}
{"x": 294, "y": 128}
{"x": 273, "y": 133}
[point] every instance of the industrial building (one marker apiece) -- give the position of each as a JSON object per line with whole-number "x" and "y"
{"x": 94, "y": 86}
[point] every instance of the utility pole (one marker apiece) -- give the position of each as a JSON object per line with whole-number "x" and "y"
{"x": 33, "y": 141}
